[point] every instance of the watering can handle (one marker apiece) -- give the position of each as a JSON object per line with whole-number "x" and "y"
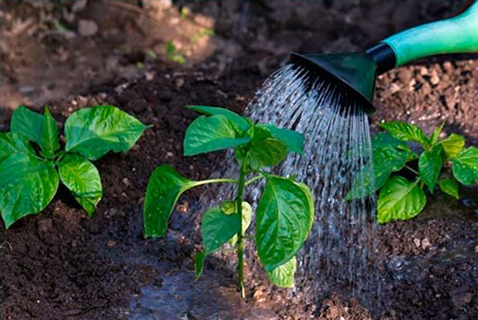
{"x": 458, "y": 34}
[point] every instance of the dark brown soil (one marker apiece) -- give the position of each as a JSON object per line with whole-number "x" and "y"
{"x": 62, "y": 265}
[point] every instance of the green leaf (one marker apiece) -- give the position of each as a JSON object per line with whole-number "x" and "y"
{"x": 292, "y": 139}
{"x": 217, "y": 228}
{"x": 12, "y": 143}
{"x": 49, "y": 139}
{"x": 436, "y": 134}
{"x": 240, "y": 124}
{"x": 453, "y": 145}
{"x": 429, "y": 167}
{"x": 266, "y": 153}
{"x": 364, "y": 183}
{"x": 93, "y": 132}
{"x": 82, "y": 178}
{"x": 450, "y": 187}
{"x": 229, "y": 207}
{"x": 258, "y": 133}
{"x": 283, "y": 276}
{"x": 465, "y": 166}
{"x": 283, "y": 220}
{"x": 207, "y": 134}
{"x": 406, "y": 132}
{"x": 28, "y": 123}
{"x": 199, "y": 263}
{"x": 310, "y": 202}
{"x": 164, "y": 188}
{"x": 400, "y": 199}
{"x": 389, "y": 155}
{"x": 28, "y": 186}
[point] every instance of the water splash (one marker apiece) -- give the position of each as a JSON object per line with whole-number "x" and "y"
{"x": 341, "y": 253}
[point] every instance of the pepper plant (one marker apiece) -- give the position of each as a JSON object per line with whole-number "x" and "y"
{"x": 393, "y": 157}
{"x": 285, "y": 210}
{"x": 32, "y": 162}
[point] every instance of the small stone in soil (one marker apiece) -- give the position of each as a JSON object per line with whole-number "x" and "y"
{"x": 45, "y": 226}
{"x": 111, "y": 243}
{"x": 87, "y": 28}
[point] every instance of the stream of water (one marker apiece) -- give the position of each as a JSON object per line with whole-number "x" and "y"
{"x": 341, "y": 252}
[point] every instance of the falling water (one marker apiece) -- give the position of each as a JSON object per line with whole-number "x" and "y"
{"x": 341, "y": 252}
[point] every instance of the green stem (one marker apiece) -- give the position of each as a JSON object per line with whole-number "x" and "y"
{"x": 223, "y": 180}
{"x": 240, "y": 245}
{"x": 57, "y": 157}
{"x": 412, "y": 170}
{"x": 254, "y": 179}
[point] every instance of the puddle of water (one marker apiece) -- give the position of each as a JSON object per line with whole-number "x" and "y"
{"x": 179, "y": 297}
{"x": 402, "y": 267}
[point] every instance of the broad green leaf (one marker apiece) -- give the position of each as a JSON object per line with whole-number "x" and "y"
{"x": 386, "y": 141}
{"x": 389, "y": 155}
{"x": 164, "y": 188}
{"x": 28, "y": 123}
{"x": 240, "y": 123}
{"x": 465, "y": 166}
{"x": 436, "y": 134}
{"x": 229, "y": 207}
{"x": 364, "y": 183}
{"x": 258, "y": 133}
{"x": 453, "y": 145}
{"x": 49, "y": 139}
{"x": 199, "y": 263}
{"x": 400, "y": 199}
{"x": 429, "y": 167}
{"x": 292, "y": 139}
{"x": 266, "y": 153}
{"x": 217, "y": 228}
{"x": 310, "y": 201}
{"x": 93, "y": 132}
{"x": 28, "y": 185}
{"x": 386, "y": 161}
{"x": 12, "y": 143}
{"x": 283, "y": 276}
{"x": 450, "y": 187}
{"x": 406, "y": 132}
{"x": 207, "y": 134}
{"x": 82, "y": 178}
{"x": 283, "y": 220}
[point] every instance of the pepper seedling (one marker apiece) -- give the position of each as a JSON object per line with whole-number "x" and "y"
{"x": 402, "y": 199}
{"x": 285, "y": 211}
{"x": 30, "y": 173}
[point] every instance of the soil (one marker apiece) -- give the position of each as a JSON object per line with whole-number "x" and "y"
{"x": 60, "y": 264}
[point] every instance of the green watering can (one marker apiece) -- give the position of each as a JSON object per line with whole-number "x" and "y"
{"x": 355, "y": 73}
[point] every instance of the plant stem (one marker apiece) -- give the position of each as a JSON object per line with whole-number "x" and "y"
{"x": 200, "y": 183}
{"x": 240, "y": 245}
{"x": 254, "y": 179}
{"x": 412, "y": 170}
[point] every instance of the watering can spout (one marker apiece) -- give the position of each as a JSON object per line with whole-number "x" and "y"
{"x": 355, "y": 70}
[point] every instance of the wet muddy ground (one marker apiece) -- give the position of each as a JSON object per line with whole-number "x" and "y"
{"x": 62, "y": 265}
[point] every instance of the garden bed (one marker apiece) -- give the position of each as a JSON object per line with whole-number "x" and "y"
{"x": 62, "y": 265}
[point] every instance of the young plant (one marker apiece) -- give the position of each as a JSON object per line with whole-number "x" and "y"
{"x": 402, "y": 199}
{"x": 173, "y": 54}
{"x": 30, "y": 173}
{"x": 285, "y": 210}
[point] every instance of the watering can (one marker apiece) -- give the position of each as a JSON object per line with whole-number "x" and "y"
{"x": 355, "y": 73}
